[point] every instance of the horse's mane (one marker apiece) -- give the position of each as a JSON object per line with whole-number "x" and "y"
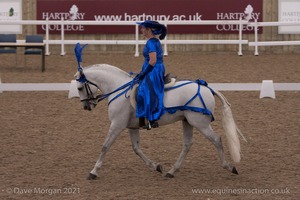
{"x": 106, "y": 67}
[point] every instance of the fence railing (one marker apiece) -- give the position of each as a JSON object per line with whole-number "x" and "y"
{"x": 136, "y": 41}
{"x": 256, "y": 43}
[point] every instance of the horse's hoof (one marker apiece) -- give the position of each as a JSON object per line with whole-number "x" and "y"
{"x": 92, "y": 177}
{"x": 168, "y": 175}
{"x": 234, "y": 171}
{"x": 159, "y": 168}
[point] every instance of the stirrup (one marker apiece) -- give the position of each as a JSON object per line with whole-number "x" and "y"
{"x": 150, "y": 125}
{"x": 147, "y": 126}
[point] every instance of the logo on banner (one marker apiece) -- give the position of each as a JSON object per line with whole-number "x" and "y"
{"x": 11, "y": 14}
{"x": 248, "y": 15}
{"x": 73, "y": 12}
{"x": 72, "y": 15}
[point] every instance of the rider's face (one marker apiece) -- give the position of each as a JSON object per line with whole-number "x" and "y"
{"x": 147, "y": 33}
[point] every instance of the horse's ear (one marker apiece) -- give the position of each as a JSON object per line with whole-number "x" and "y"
{"x": 80, "y": 72}
{"x": 79, "y": 68}
{"x": 77, "y": 74}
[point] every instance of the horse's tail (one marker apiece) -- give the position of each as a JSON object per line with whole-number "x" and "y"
{"x": 232, "y": 132}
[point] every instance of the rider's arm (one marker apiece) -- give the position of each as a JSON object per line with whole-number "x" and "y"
{"x": 152, "y": 60}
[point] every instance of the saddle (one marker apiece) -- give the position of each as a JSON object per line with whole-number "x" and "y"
{"x": 168, "y": 82}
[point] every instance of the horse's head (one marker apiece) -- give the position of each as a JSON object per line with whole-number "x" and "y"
{"x": 87, "y": 91}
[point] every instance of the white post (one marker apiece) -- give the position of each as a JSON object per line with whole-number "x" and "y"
{"x": 136, "y": 40}
{"x": 0, "y": 87}
{"x": 240, "y": 53}
{"x": 256, "y": 37}
{"x": 47, "y": 37}
{"x": 62, "y": 38}
{"x": 165, "y": 45}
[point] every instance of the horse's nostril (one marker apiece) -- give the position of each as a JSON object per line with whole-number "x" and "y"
{"x": 86, "y": 105}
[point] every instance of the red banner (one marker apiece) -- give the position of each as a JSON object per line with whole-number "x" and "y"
{"x": 140, "y": 10}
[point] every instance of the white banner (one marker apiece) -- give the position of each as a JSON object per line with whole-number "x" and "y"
{"x": 289, "y": 11}
{"x": 10, "y": 10}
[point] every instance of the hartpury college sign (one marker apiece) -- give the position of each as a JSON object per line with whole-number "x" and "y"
{"x": 140, "y": 10}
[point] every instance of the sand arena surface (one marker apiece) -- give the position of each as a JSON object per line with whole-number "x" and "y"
{"x": 49, "y": 144}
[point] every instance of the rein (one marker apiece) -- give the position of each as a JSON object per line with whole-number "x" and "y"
{"x": 101, "y": 97}
{"x": 127, "y": 85}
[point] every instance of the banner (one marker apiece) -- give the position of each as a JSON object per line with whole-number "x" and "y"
{"x": 10, "y": 10}
{"x": 289, "y": 11}
{"x": 140, "y": 10}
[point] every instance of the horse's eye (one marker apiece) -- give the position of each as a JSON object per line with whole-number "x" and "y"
{"x": 79, "y": 86}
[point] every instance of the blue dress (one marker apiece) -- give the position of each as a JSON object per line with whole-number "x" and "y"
{"x": 151, "y": 88}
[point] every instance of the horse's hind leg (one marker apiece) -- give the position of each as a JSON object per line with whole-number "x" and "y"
{"x": 187, "y": 143}
{"x": 135, "y": 141}
{"x": 216, "y": 140}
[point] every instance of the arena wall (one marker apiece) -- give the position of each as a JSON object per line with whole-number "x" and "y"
{"x": 270, "y": 14}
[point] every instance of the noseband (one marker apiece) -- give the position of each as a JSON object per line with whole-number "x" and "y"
{"x": 90, "y": 97}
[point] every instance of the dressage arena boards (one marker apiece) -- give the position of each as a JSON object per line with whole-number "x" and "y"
{"x": 217, "y": 86}
{"x": 49, "y": 144}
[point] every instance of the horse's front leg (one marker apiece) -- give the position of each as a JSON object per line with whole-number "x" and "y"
{"x": 187, "y": 143}
{"x": 112, "y": 135}
{"x": 135, "y": 141}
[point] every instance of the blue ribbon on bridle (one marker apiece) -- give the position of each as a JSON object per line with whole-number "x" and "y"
{"x": 78, "y": 53}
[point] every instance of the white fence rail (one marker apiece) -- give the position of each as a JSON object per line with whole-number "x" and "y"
{"x": 135, "y": 41}
{"x": 6, "y": 87}
{"x": 256, "y": 44}
{"x": 165, "y": 42}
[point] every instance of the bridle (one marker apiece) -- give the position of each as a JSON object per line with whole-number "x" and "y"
{"x": 86, "y": 85}
{"x": 90, "y": 96}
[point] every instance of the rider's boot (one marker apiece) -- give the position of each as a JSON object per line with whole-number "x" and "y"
{"x": 154, "y": 124}
{"x": 150, "y": 125}
{"x": 142, "y": 122}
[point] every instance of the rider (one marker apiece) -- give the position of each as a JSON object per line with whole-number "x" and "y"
{"x": 151, "y": 85}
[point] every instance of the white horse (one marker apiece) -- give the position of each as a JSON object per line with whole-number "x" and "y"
{"x": 107, "y": 79}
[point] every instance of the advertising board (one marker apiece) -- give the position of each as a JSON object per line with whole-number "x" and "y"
{"x": 140, "y": 10}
